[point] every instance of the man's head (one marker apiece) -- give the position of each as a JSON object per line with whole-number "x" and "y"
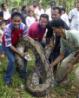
{"x": 4, "y": 6}
{"x": 62, "y": 10}
{"x": 43, "y": 21}
{"x": 58, "y": 26}
{"x": 35, "y": 3}
{"x": 16, "y": 18}
{"x": 52, "y": 3}
{"x": 14, "y": 10}
{"x": 77, "y": 4}
{"x": 56, "y": 13}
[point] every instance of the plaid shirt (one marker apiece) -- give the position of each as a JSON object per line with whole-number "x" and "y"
{"x": 12, "y": 35}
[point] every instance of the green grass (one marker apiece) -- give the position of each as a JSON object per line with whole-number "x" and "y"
{"x": 16, "y": 91}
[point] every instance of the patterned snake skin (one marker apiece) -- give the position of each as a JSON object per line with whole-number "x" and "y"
{"x": 42, "y": 70}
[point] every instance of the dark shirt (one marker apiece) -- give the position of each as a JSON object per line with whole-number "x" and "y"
{"x": 50, "y": 30}
{"x": 56, "y": 49}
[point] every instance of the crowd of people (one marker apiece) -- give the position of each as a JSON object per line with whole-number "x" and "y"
{"x": 54, "y": 24}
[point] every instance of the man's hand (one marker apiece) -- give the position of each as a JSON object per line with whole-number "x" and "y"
{"x": 76, "y": 54}
{"x": 27, "y": 57}
{"x": 57, "y": 60}
{"x": 21, "y": 55}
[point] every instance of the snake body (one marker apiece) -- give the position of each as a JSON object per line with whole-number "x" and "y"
{"x": 37, "y": 89}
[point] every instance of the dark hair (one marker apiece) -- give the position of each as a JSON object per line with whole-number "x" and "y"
{"x": 44, "y": 16}
{"x": 52, "y": 3}
{"x": 57, "y": 23}
{"x": 16, "y": 14}
{"x": 2, "y": 5}
{"x": 14, "y": 10}
{"x": 1, "y": 14}
{"x": 62, "y": 9}
{"x": 58, "y": 8}
{"x": 23, "y": 7}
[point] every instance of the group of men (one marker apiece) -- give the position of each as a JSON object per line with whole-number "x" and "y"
{"x": 65, "y": 41}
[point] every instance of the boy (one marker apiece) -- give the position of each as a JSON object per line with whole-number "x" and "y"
{"x": 12, "y": 33}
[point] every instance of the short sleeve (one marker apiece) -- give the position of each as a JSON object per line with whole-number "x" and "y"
{"x": 62, "y": 48}
{"x": 71, "y": 14}
{"x": 7, "y": 37}
{"x": 23, "y": 27}
{"x": 25, "y": 31}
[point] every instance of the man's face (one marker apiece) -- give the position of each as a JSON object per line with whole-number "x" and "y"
{"x": 55, "y": 14}
{"x": 35, "y": 4}
{"x": 57, "y": 31}
{"x": 16, "y": 20}
{"x": 43, "y": 22}
{"x": 77, "y": 5}
{"x": 5, "y": 7}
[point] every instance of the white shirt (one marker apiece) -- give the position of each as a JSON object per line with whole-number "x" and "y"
{"x": 29, "y": 21}
{"x": 74, "y": 17}
{"x": 48, "y": 12}
{"x": 65, "y": 18}
{"x": 71, "y": 43}
{"x": 6, "y": 15}
{"x": 38, "y": 12}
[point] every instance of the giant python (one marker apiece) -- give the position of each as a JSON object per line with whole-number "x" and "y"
{"x": 38, "y": 89}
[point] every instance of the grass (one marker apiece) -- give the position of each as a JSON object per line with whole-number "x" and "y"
{"x": 17, "y": 91}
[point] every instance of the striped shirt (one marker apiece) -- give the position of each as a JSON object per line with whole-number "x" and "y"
{"x": 12, "y": 35}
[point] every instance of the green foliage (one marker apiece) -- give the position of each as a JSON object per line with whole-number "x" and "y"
{"x": 18, "y": 3}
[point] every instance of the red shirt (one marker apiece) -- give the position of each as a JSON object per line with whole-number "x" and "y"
{"x": 36, "y": 31}
{"x": 11, "y": 35}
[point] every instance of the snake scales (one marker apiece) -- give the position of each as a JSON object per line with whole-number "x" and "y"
{"x": 37, "y": 89}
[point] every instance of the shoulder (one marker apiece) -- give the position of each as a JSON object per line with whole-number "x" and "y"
{"x": 76, "y": 32}
{"x": 34, "y": 27}
{"x": 70, "y": 33}
{"x": 22, "y": 26}
{"x": 1, "y": 32}
{"x": 8, "y": 28}
{"x": 73, "y": 11}
{"x": 49, "y": 24}
{"x": 27, "y": 17}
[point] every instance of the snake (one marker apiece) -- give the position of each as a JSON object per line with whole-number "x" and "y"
{"x": 39, "y": 80}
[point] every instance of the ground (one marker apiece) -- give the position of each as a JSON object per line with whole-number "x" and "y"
{"x": 17, "y": 90}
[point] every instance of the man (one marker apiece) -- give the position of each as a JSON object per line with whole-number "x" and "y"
{"x": 74, "y": 17}
{"x": 48, "y": 10}
{"x": 64, "y": 16}
{"x": 69, "y": 50}
{"x": 56, "y": 14}
{"x": 12, "y": 33}
{"x": 6, "y": 13}
{"x": 38, "y": 29}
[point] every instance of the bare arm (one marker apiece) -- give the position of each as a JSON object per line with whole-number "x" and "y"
{"x": 16, "y": 51}
{"x": 57, "y": 60}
